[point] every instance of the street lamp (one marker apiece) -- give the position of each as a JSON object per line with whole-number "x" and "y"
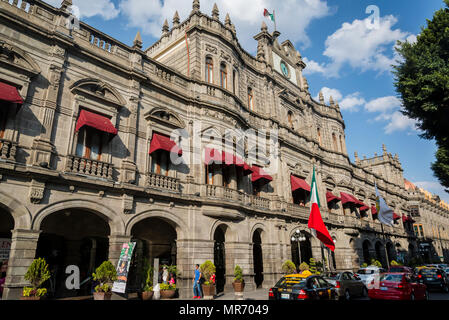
{"x": 299, "y": 237}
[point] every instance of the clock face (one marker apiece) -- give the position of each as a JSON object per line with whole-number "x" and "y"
{"x": 284, "y": 69}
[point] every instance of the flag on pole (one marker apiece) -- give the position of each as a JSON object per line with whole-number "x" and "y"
{"x": 316, "y": 224}
{"x": 384, "y": 213}
{"x": 267, "y": 14}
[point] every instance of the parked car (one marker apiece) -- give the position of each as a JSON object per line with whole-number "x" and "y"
{"x": 434, "y": 278}
{"x": 297, "y": 287}
{"x": 368, "y": 274}
{"x": 399, "y": 286}
{"x": 400, "y": 269}
{"x": 346, "y": 284}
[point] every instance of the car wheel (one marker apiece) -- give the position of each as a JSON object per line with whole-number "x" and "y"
{"x": 412, "y": 296}
{"x": 347, "y": 295}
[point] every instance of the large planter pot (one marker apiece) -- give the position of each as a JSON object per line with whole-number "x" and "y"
{"x": 208, "y": 291}
{"x": 102, "y": 295}
{"x": 33, "y": 298}
{"x": 168, "y": 294}
{"x": 238, "y": 286}
{"x": 147, "y": 295}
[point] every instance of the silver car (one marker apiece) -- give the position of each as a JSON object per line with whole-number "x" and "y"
{"x": 369, "y": 275}
{"x": 346, "y": 284}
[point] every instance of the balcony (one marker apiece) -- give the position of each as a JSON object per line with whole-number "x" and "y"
{"x": 8, "y": 150}
{"x": 297, "y": 210}
{"x": 158, "y": 181}
{"x": 89, "y": 167}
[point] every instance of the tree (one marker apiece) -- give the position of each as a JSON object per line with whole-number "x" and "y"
{"x": 422, "y": 80}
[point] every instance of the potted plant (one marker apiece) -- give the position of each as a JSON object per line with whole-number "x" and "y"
{"x": 148, "y": 292}
{"x": 105, "y": 274}
{"x": 239, "y": 283}
{"x": 208, "y": 271}
{"x": 168, "y": 291}
{"x": 288, "y": 267}
{"x": 36, "y": 274}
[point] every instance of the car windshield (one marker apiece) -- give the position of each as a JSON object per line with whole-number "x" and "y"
{"x": 365, "y": 271}
{"x": 291, "y": 281}
{"x": 396, "y": 269}
{"x": 391, "y": 277}
{"x": 429, "y": 272}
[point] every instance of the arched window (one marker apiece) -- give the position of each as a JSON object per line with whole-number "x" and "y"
{"x": 319, "y": 136}
{"x": 250, "y": 99}
{"x": 290, "y": 119}
{"x": 234, "y": 80}
{"x": 223, "y": 76}
{"x": 334, "y": 139}
{"x": 209, "y": 70}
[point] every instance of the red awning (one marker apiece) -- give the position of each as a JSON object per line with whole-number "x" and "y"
{"x": 373, "y": 210}
{"x": 9, "y": 93}
{"x": 395, "y": 216}
{"x": 259, "y": 174}
{"x": 347, "y": 198}
{"x": 298, "y": 183}
{"x": 96, "y": 121}
{"x": 331, "y": 197}
{"x": 407, "y": 219}
{"x": 364, "y": 208}
{"x": 247, "y": 170}
{"x": 212, "y": 156}
{"x": 160, "y": 142}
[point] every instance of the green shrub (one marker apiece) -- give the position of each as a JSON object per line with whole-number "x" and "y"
{"x": 288, "y": 267}
{"x": 312, "y": 265}
{"x": 364, "y": 265}
{"x": 36, "y": 274}
{"x": 395, "y": 263}
{"x": 106, "y": 275}
{"x": 208, "y": 270}
{"x": 303, "y": 267}
{"x": 148, "y": 276}
{"x": 166, "y": 286}
{"x": 238, "y": 274}
{"x": 376, "y": 263}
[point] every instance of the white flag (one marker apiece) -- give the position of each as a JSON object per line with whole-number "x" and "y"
{"x": 384, "y": 213}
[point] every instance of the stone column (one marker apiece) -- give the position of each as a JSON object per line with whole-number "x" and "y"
{"x": 239, "y": 253}
{"x": 22, "y": 254}
{"x": 115, "y": 247}
{"x": 190, "y": 253}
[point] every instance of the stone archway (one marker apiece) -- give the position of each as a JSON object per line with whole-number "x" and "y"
{"x": 73, "y": 237}
{"x": 220, "y": 257}
{"x": 258, "y": 258}
{"x": 391, "y": 252}
{"x": 366, "y": 247}
{"x": 380, "y": 252}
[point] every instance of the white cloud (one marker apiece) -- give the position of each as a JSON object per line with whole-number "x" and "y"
{"x": 361, "y": 47}
{"x": 399, "y": 122}
{"x": 313, "y": 67}
{"x": 293, "y": 17}
{"x": 350, "y": 102}
{"x": 87, "y": 8}
{"x": 383, "y": 104}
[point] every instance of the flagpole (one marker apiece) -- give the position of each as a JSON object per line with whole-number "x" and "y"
{"x": 274, "y": 15}
{"x": 385, "y": 246}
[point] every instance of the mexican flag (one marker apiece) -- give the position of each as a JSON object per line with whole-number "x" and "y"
{"x": 268, "y": 14}
{"x": 316, "y": 224}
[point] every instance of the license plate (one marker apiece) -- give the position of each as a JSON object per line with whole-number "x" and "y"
{"x": 285, "y": 296}
{"x": 430, "y": 279}
{"x": 383, "y": 288}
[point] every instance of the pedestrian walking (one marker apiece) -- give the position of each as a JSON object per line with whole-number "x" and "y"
{"x": 196, "y": 283}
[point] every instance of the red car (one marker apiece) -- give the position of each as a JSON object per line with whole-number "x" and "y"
{"x": 399, "y": 269}
{"x": 398, "y": 286}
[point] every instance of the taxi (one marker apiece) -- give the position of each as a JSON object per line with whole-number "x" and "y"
{"x": 304, "y": 286}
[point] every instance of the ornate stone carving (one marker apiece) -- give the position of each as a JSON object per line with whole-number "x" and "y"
{"x": 128, "y": 204}
{"x": 36, "y": 191}
{"x": 211, "y": 49}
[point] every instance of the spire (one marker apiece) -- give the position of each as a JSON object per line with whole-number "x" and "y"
{"x": 137, "y": 41}
{"x": 321, "y": 97}
{"x": 356, "y": 156}
{"x": 264, "y": 27}
{"x": 196, "y": 6}
{"x": 165, "y": 28}
{"x": 233, "y": 28}
{"x": 228, "y": 21}
{"x": 331, "y": 101}
{"x": 176, "y": 19}
{"x": 384, "y": 148}
{"x": 215, "y": 12}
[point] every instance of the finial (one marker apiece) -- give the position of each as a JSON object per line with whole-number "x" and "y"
{"x": 137, "y": 41}
{"x": 228, "y": 21}
{"x": 264, "y": 27}
{"x": 356, "y": 156}
{"x": 176, "y": 19}
{"x": 321, "y": 97}
{"x": 384, "y": 148}
{"x": 215, "y": 12}
{"x": 331, "y": 101}
{"x": 165, "y": 27}
{"x": 196, "y": 6}
{"x": 233, "y": 28}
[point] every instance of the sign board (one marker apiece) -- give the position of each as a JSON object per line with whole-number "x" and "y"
{"x": 5, "y": 247}
{"x": 123, "y": 267}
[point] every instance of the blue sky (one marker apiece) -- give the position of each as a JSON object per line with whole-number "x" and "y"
{"x": 349, "y": 56}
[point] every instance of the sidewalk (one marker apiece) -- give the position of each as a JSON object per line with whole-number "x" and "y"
{"x": 259, "y": 294}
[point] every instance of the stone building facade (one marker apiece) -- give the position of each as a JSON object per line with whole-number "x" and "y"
{"x": 84, "y": 165}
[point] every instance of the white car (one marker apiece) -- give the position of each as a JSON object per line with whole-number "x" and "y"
{"x": 368, "y": 274}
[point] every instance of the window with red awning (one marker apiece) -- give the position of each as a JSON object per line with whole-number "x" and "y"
{"x": 330, "y": 197}
{"x": 373, "y": 210}
{"x": 96, "y": 121}
{"x": 10, "y": 94}
{"x": 260, "y": 175}
{"x": 364, "y": 208}
{"x": 298, "y": 183}
{"x": 347, "y": 198}
{"x": 212, "y": 156}
{"x": 395, "y": 216}
{"x": 162, "y": 142}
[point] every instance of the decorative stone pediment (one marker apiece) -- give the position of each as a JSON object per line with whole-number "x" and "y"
{"x": 298, "y": 170}
{"x": 18, "y": 59}
{"x": 345, "y": 184}
{"x": 330, "y": 182}
{"x": 165, "y": 116}
{"x": 98, "y": 89}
